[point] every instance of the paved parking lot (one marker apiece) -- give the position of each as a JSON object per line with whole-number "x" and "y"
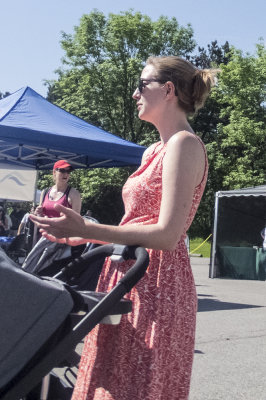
{"x": 230, "y": 351}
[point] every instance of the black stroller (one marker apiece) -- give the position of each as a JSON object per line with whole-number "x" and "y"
{"x": 43, "y": 318}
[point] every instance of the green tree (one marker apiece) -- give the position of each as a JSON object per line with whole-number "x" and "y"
{"x": 101, "y": 192}
{"x": 239, "y": 152}
{"x": 101, "y": 67}
{"x": 206, "y": 119}
{"x": 103, "y": 60}
{"x": 236, "y": 141}
{"x": 205, "y": 124}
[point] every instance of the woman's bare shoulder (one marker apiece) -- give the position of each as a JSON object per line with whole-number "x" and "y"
{"x": 185, "y": 140}
{"x": 74, "y": 192}
{"x": 183, "y": 135}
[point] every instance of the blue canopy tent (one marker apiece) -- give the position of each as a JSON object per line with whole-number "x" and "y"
{"x": 35, "y": 133}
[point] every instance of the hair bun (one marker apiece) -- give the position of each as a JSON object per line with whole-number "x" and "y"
{"x": 204, "y": 80}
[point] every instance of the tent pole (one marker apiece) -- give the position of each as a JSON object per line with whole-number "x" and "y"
{"x": 35, "y": 230}
{"x": 35, "y": 188}
{"x": 213, "y": 255}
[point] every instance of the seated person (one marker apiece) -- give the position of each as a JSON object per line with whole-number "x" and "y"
{"x": 16, "y": 216}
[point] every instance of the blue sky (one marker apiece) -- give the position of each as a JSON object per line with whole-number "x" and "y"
{"x": 30, "y": 30}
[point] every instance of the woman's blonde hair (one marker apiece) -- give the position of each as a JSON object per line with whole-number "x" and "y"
{"x": 192, "y": 85}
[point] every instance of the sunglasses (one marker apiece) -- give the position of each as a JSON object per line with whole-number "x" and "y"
{"x": 144, "y": 82}
{"x": 63, "y": 170}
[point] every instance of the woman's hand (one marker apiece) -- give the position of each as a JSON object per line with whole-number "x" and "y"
{"x": 39, "y": 211}
{"x": 70, "y": 224}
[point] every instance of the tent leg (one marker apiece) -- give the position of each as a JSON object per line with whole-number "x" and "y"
{"x": 35, "y": 230}
{"x": 212, "y": 273}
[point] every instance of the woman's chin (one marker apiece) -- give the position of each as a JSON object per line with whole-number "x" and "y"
{"x": 141, "y": 115}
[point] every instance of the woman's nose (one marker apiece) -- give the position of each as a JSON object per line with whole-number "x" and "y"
{"x": 136, "y": 94}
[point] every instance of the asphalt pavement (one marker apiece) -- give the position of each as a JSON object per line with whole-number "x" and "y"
{"x": 230, "y": 350}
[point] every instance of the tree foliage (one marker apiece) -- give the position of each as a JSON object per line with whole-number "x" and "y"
{"x": 101, "y": 67}
{"x": 101, "y": 192}
{"x": 236, "y": 140}
{"x": 205, "y": 124}
{"x": 102, "y": 63}
{"x": 240, "y": 152}
{"x": 103, "y": 60}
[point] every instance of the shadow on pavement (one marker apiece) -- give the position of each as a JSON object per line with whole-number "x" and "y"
{"x": 198, "y": 352}
{"x": 217, "y": 305}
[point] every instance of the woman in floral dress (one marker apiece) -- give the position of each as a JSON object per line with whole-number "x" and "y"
{"x": 149, "y": 355}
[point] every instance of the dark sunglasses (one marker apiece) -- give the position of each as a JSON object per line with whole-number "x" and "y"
{"x": 144, "y": 82}
{"x": 63, "y": 170}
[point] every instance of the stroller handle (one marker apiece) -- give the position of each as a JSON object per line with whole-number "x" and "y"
{"x": 132, "y": 276}
{"x": 137, "y": 271}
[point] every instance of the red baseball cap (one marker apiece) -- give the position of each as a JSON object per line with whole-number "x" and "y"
{"x": 62, "y": 164}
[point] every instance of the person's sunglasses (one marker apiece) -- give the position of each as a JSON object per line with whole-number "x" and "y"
{"x": 63, "y": 170}
{"x": 144, "y": 82}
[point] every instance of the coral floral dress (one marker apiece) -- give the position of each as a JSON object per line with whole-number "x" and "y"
{"x": 149, "y": 355}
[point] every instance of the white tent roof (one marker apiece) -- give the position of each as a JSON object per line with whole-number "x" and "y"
{"x": 250, "y": 191}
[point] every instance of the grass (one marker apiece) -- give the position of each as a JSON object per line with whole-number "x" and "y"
{"x": 204, "y": 250}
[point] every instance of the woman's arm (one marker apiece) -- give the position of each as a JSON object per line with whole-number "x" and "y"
{"x": 39, "y": 208}
{"x": 21, "y": 228}
{"x": 75, "y": 200}
{"x": 183, "y": 169}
